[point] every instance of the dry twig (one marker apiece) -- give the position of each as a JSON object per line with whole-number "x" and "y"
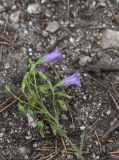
{"x": 99, "y": 143}
{"x": 111, "y": 9}
{"x": 117, "y": 106}
{"x": 93, "y": 126}
{"x": 8, "y": 103}
{"x": 65, "y": 148}
{"x": 109, "y": 131}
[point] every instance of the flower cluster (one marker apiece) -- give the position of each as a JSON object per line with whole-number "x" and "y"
{"x": 56, "y": 56}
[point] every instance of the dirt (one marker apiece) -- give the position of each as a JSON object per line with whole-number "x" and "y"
{"x": 80, "y": 25}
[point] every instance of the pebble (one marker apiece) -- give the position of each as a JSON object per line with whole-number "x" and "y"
{"x": 43, "y": 1}
{"x": 110, "y": 39}
{"x": 71, "y": 40}
{"x": 83, "y": 60}
{"x": 31, "y": 122}
{"x": 48, "y": 13}
{"x": 34, "y": 8}
{"x": 82, "y": 128}
{"x": 69, "y": 156}
{"x": 108, "y": 112}
{"x": 22, "y": 150}
{"x": 44, "y": 33}
{"x": 52, "y": 26}
{"x": 39, "y": 46}
{"x": 7, "y": 65}
{"x": 14, "y": 17}
{"x": 1, "y": 135}
{"x": 64, "y": 117}
{"x": 84, "y": 97}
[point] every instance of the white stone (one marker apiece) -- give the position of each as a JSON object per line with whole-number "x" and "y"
{"x": 82, "y": 128}
{"x": 45, "y": 33}
{"x": 22, "y": 150}
{"x": 1, "y": 135}
{"x": 14, "y": 17}
{"x": 71, "y": 40}
{"x": 6, "y": 65}
{"x": 31, "y": 121}
{"x": 34, "y": 8}
{"x": 84, "y": 59}
{"x": 84, "y": 97}
{"x": 108, "y": 112}
{"x": 52, "y": 26}
{"x": 110, "y": 39}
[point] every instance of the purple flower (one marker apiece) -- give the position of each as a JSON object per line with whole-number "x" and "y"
{"x": 53, "y": 56}
{"x": 72, "y": 80}
{"x": 42, "y": 68}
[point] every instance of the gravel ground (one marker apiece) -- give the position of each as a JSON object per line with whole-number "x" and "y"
{"x": 86, "y": 31}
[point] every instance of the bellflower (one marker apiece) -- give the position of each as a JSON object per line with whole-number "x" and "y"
{"x": 53, "y": 56}
{"x": 72, "y": 80}
{"x": 46, "y": 59}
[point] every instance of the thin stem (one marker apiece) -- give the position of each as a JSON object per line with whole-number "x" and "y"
{"x": 53, "y": 103}
{"x": 18, "y": 98}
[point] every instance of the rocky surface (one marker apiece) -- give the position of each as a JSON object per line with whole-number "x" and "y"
{"x": 84, "y": 31}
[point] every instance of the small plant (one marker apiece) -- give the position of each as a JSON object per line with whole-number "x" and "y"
{"x": 44, "y": 100}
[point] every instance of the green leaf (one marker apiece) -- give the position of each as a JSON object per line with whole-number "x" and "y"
{"x": 62, "y": 105}
{"x": 61, "y": 94}
{"x": 22, "y": 108}
{"x": 32, "y": 113}
{"x": 42, "y": 76}
{"x": 32, "y": 98}
{"x": 30, "y": 62}
{"x": 39, "y": 62}
{"x": 43, "y": 89}
{"x": 41, "y": 127}
{"x": 7, "y": 88}
{"x": 24, "y": 81}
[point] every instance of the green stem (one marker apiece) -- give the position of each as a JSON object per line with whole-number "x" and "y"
{"x": 53, "y": 103}
{"x": 18, "y": 98}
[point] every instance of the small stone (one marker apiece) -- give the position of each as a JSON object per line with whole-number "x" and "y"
{"x": 14, "y": 7}
{"x": 28, "y": 137}
{"x": 22, "y": 150}
{"x": 52, "y": 26}
{"x": 34, "y": 8}
{"x": 30, "y": 49}
{"x": 31, "y": 121}
{"x": 69, "y": 156}
{"x": 2, "y": 8}
{"x": 6, "y": 65}
{"x": 26, "y": 157}
{"x": 84, "y": 97}
{"x": 83, "y": 60}
{"x": 108, "y": 112}
{"x": 45, "y": 33}
{"x": 14, "y": 17}
{"x": 30, "y": 23}
{"x": 43, "y": 1}
{"x": 48, "y": 13}
{"x": 71, "y": 40}
{"x": 82, "y": 128}
{"x": 1, "y": 135}
{"x": 64, "y": 117}
{"x": 5, "y": 114}
{"x": 110, "y": 39}
{"x": 35, "y": 145}
{"x": 39, "y": 46}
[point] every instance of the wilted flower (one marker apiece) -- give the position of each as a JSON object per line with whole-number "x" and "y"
{"x": 72, "y": 80}
{"x": 53, "y": 56}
